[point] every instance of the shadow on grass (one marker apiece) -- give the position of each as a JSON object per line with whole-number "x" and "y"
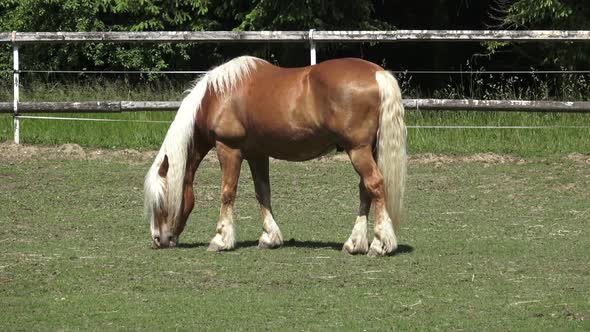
{"x": 292, "y": 243}
{"x": 287, "y": 244}
{"x": 403, "y": 249}
{"x": 192, "y": 245}
{"x": 313, "y": 244}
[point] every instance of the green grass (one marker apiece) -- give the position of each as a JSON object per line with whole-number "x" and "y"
{"x": 113, "y": 135}
{"x": 95, "y": 134}
{"x": 485, "y": 247}
{"x": 525, "y": 142}
{"x": 97, "y": 89}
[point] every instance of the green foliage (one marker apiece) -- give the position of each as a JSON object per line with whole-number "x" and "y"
{"x": 153, "y": 15}
{"x": 546, "y": 15}
{"x": 103, "y": 15}
{"x": 150, "y": 15}
{"x": 47, "y": 15}
{"x": 533, "y": 14}
{"x": 307, "y": 14}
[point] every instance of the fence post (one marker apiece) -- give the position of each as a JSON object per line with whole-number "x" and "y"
{"x": 312, "y": 47}
{"x": 16, "y": 94}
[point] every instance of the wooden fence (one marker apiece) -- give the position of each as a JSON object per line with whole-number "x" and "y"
{"x": 295, "y": 36}
{"x": 412, "y": 104}
{"x": 310, "y": 38}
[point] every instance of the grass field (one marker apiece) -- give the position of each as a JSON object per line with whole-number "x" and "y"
{"x": 121, "y": 135}
{"x": 525, "y": 142}
{"x": 499, "y": 244}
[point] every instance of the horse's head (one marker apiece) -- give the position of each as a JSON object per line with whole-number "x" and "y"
{"x": 168, "y": 203}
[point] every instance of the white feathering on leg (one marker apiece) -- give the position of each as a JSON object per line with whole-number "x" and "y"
{"x": 271, "y": 235}
{"x": 358, "y": 243}
{"x": 385, "y": 241}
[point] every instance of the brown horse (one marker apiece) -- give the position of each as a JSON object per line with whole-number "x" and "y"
{"x": 250, "y": 109}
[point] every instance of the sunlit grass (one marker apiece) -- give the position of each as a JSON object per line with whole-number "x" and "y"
{"x": 485, "y": 247}
{"x": 137, "y": 135}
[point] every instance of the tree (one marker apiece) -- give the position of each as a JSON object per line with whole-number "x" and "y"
{"x": 307, "y": 14}
{"x": 154, "y": 15}
{"x": 546, "y": 15}
{"x": 103, "y": 15}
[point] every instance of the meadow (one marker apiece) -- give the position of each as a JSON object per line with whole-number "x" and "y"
{"x": 494, "y": 234}
{"x": 490, "y": 244}
{"x": 129, "y": 133}
{"x": 525, "y": 142}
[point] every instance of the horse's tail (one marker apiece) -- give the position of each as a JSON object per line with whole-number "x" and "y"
{"x": 391, "y": 145}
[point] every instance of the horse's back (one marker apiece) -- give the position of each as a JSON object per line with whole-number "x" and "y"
{"x": 345, "y": 70}
{"x": 301, "y": 113}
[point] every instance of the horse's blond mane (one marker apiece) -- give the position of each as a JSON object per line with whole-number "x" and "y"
{"x": 166, "y": 192}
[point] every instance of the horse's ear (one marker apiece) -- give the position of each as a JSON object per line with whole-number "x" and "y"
{"x": 163, "y": 171}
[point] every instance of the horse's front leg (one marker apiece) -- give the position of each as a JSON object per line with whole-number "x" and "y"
{"x": 271, "y": 234}
{"x": 230, "y": 161}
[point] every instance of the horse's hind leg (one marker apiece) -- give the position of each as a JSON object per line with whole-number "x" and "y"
{"x": 271, "y": 234}
{"x": 230, "y": 161}
{"x": 357, "y": 243}
{"x": 384, "y": 241}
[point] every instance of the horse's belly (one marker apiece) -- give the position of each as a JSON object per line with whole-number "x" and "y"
{"x": 291, "y": 148}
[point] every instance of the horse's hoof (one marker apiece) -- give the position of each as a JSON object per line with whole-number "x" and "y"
{"x": 379, "y": 249}
{"x": 266, "y": 245}
{"x": 270, "y": 241}
{"x": 355, "y": 249}
{"x": 216, "y": 246}
{"x": 374, "y": 252}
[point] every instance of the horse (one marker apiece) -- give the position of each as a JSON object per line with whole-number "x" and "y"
{"x": 249, "y": 109}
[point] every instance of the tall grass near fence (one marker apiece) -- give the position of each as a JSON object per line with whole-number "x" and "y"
{"x": 564, "y": 135}
{"x": 539, "y": 133}
{"x": 121, "y": 134}
{"x": 143, "y": 136}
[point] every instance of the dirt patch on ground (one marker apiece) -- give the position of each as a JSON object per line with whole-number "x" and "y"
{"x": 125, "y": 154}
{"x": 441, "y": 159}
{"x": 484, "y": 158}
{"x": 14, "y": 152}
{"x": 578, "y": 158}
{"x": 11, "y": 151}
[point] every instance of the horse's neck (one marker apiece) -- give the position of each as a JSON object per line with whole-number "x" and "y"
{"x": 195, "y": 156}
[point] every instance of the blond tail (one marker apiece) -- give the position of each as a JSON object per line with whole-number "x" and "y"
{"x": 391, "y": 145}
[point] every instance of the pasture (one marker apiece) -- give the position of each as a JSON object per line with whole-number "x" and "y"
{"x": 489, "y": 242}
{"x": 570, "y": 132}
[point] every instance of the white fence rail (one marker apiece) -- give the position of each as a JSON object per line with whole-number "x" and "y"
{"x": 295, "y": 36}
{"x": 412, "y": 104}
{"x": 310, "y": 37}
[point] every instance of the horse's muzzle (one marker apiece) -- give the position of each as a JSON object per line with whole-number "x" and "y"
{"x": 161, "y": 242}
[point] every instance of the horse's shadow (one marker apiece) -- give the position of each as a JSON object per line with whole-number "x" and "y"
{"x": 293, "y": 243}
